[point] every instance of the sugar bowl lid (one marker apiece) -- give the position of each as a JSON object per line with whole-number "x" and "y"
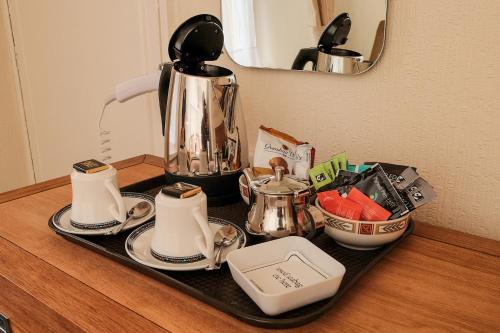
{"x": 279, "y": 184}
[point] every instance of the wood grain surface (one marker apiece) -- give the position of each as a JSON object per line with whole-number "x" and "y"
{"x": 423, "y": 285}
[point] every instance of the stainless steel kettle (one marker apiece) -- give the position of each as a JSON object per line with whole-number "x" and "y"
{"x": 205, "y": 135}
{"x": 278, "y": 206}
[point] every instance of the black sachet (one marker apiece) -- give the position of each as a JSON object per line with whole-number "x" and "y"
{"x": 377, "y": 186}
{"x": 417, "y": 194}
{"x": 393, "y": 171}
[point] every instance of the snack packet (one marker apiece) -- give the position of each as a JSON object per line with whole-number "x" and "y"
{"x": 377, "y": 186}
{"x": 275, "y": 148}
{"x": 371, "y": 211}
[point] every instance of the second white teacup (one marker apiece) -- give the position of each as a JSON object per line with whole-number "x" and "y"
{"x": 181, "y": 230}
{"x": 97, "y": 200}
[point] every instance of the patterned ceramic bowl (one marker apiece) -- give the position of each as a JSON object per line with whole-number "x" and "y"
{"x": 244, "y": 188}
{"x": 363, "y": 235}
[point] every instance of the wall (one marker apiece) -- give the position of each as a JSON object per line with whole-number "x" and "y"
{"x": 15, "y": 162}
{"x": 432, "y": 101}
{"x": 70, "y": 56}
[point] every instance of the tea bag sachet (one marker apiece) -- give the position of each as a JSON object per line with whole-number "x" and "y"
{"x": 377, "y": 186}
{"x": 418, "y": 193}
{"x": 319, "y": 176}
{"x": 339, "y": 161}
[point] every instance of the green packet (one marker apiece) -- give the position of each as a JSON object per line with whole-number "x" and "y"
{"x": 360, "y": 168}
{"x": 319, "y": 176}
{"x": 329, "y": 169}
{"x": 339, "y": 161}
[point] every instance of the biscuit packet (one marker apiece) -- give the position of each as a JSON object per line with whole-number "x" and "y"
{"x": 274, "y": 148}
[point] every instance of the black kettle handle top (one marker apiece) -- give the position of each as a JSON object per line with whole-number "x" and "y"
{"x": 163, "y": 87}
{"x": 304, "y": 56}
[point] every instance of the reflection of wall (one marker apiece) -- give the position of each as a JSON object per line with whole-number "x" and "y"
{"x": 370, "y": 13}
{"x": 15, "y": 164}
{"x": 429, "y": 102}
{"x": 280, "y": 31}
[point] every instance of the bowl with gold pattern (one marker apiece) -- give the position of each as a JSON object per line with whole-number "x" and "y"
{"x": 363, "y": 235}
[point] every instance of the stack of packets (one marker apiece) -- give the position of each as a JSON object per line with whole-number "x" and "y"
{"x": 371, "y": 191}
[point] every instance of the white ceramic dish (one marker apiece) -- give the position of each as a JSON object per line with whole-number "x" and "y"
{"x": 363, "y": 235}
{"x": 285, "y": 274}
{"x": 62, "y": 221}
{"x": 138, "y": 247}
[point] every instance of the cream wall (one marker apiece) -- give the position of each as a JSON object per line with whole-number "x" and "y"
{"x": 15, "y": 163}
{"x": 71, "y": 54}
{"x": 432, "y": 101}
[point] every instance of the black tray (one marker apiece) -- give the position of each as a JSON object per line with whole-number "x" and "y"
{"x": 217, "y": 288}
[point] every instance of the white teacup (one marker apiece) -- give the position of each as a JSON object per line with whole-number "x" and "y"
{"x": 181, "y": 227}
{"x": 96, "y": 198}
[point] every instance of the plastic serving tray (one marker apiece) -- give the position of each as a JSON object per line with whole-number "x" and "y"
{"x": 217, "y": 288}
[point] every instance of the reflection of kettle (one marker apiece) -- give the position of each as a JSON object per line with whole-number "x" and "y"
{"x": 326, "y": 57}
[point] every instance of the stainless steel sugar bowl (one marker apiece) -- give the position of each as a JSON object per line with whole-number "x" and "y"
{"x": 278, "y": 205}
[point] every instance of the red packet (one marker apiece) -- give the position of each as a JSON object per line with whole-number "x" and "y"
{"x": 348, "y": 209}
{"x": 325, "y": 197}
{"x": 371, "y": 210}
{"x": 333, "y": 203}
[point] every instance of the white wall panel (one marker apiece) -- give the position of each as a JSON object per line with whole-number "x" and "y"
{"x": 15, "y": 160}
{"x": 71, "y": 54}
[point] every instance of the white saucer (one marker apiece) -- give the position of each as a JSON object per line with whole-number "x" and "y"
{"x": 61, "y": 219}
{"x": 138, "y": 248}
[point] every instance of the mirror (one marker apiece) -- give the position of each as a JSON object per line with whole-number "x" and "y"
{"x": 331, "y": 36}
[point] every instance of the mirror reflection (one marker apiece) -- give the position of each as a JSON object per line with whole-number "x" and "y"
{"x": 332, "y": 36}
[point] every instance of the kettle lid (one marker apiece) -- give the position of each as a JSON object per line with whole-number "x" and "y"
{"x": 335, "y": 33}
{"x": 198, "y": 39}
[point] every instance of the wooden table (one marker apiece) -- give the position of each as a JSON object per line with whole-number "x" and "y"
{"x": 437, "y": 280}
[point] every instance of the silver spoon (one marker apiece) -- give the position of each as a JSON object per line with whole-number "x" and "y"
{"x": 224, "y": 237}
{"x": 138, "y": 211}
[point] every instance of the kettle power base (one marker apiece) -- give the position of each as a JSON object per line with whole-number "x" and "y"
{"x": 220, "y": 190}
{"x": 217, "y": 288}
